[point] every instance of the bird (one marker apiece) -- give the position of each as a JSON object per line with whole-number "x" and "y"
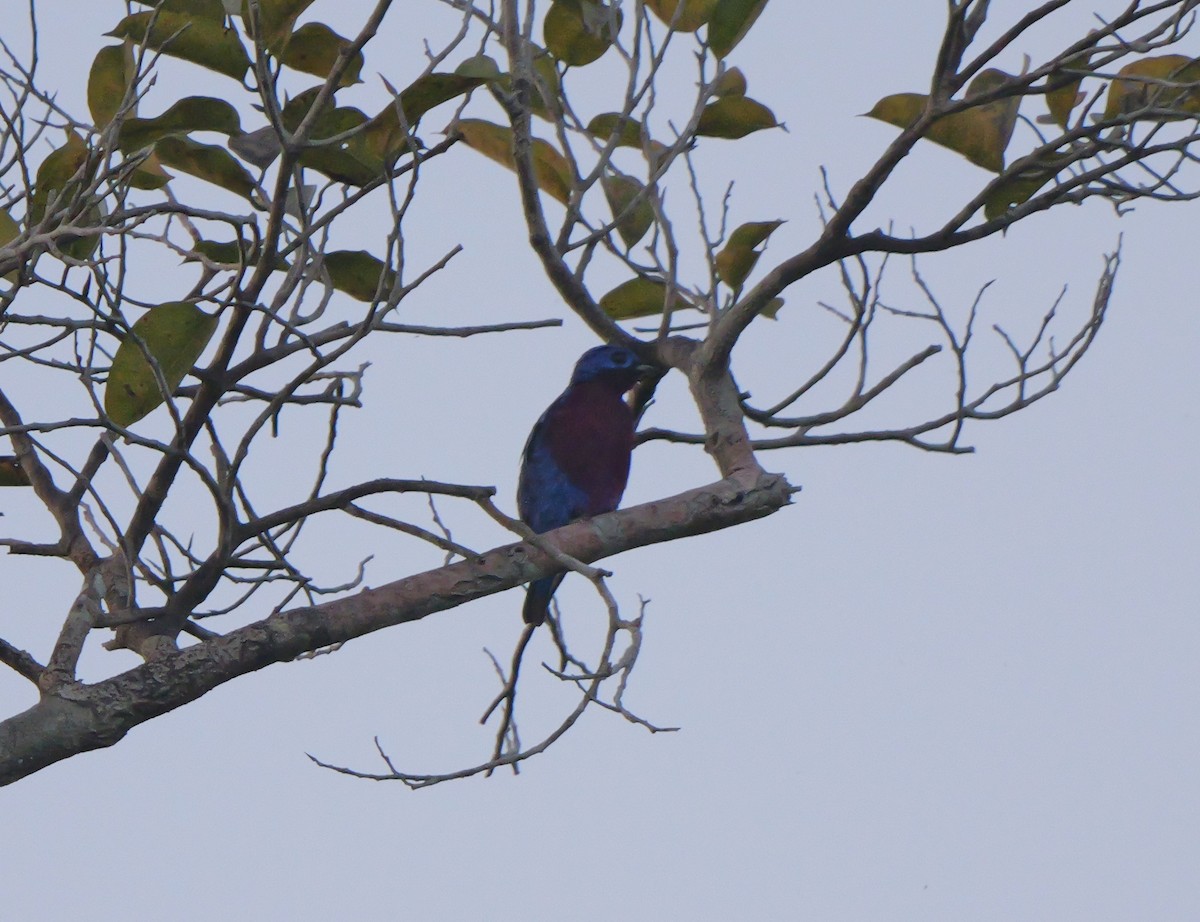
{"x": 576, "y": 459}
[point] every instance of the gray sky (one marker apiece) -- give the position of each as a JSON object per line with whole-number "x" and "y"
{"x": 933, "y": 688}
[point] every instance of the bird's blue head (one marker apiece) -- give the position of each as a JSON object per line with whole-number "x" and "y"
{"x": 614, "y": 365}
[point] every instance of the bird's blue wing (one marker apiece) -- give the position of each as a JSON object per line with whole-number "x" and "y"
{"x": 546, "y": 498}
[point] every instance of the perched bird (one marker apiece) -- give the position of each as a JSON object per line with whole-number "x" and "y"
{"x": 576, "y": 461}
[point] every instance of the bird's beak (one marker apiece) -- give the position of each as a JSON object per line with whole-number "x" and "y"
{"x": 646, "y": 370}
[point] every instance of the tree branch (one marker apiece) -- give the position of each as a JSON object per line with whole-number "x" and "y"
{"x": 77, "y": 718}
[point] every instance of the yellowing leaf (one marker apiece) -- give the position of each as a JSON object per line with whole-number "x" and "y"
{"x": 1153, "y": 83}
{"x": 739, "y": 255}
{"x": 9, "y": 231}
{"x": 1061, "y": 100}
{"x": 640, "y": 297}
{"x": 551, "y": 169}
{"x": 753, "y": 233}
{"x": 11, "y": 474}
{"x": 980, "y": 134}
{"x": 633, "y": 215}
{"x": 731, "y": 83}
{"x": 578, "y": 32}
{"x": 683, "y": 15}
{"x": 173, "y": 335}
{"x": 734, "y": 117}
{"x": 202, "y": 41}
{"x": 731, "y": 20}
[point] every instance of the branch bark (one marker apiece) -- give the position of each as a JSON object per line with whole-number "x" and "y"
{"x": 73, "y": 718}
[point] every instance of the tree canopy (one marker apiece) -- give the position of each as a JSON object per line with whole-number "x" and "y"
{"x": 146, "y": 391}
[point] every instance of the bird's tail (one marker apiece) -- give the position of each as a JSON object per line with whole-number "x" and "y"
{"x": 537, "y": 598}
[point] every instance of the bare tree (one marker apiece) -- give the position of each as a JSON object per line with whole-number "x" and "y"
{"x": 142, "y": 459}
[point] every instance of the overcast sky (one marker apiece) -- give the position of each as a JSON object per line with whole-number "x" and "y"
{"x": 933, "y": 688}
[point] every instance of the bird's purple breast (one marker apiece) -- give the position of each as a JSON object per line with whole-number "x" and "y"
{"x": 589, "y": 435}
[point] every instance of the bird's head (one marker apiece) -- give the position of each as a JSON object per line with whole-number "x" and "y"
{"x": 613, "y": 365}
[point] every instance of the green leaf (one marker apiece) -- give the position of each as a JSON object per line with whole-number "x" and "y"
{"x": 192, "y": 113}
{"x": 314, "y": 48}
{"x": 232, "y": 253}
{"x": 384, "y": 139}
{"x": 278, "y": 19}
{"x": 196, "y": 9}
{"x": 481, "y": 66}
{"x": 980, "y": 134}
{"x": 11, "y": 474}
{"x": 771, "y": 311}
{"x": 547, "y": 94}
{"x": 212, "y": 164}
{"x": 344, "y": 162}
{"x": 1025, "y": 178}
{"x": 9, "y": 231}
{"x": 56, "y": 178}
{"x": 297, "y": 107}
{"x": 174, "y": 335}
{"x": 430, "y": 91}
{"x": 683, "y": 15}
{"x": 578, "y": 32}
{"x": 1140, "y": 86}
{"x": 640, "y": 297}
{"x": 108, "y": 81}
{"x": 1061, "y": 101}
{"x": 340, "y": 165}
{"x": 739, "y": 255}
{"x": 359, "y": 274}
{"x": 202, "y": 41}
{"x": 226, "y": 252}
{"x": 631, "y": 209}
{"x": 629, "y": 131}
{"x": 734, "y": 117}
{"x": 55, "y": 174}
{"x": 348, "y": 161}
{"x": 83, "y": 247}
{"x": 1013, "y": 191}
{"x": 551, "y": 169}
{"x": 731, "y": 20}
{"x": 545, "y": 99}
{"x": 150, "y": 174}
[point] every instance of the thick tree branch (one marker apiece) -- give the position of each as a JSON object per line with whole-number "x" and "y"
{"x": 20, "y": 661}
{"x": 76, "y": 718}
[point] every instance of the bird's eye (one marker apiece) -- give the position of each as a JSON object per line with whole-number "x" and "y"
{"x": 620, "y": 358}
